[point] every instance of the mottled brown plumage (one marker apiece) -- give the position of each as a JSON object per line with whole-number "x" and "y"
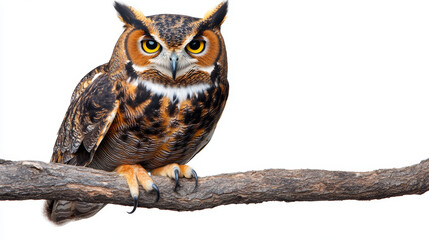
{"x": 151, "y": 108}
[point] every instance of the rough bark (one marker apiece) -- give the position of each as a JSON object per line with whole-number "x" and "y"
{"x": 21, "y": 180}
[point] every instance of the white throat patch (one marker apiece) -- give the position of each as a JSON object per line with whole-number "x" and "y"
{"x": 179, "y": 93}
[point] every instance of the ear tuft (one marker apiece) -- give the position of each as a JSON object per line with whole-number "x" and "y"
{"x": 215, "y": 17}
{"x": 125, "y": 13}
{"x": 130, "y": 16}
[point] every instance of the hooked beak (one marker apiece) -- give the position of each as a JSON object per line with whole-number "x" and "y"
{"x": 173, "y": 60}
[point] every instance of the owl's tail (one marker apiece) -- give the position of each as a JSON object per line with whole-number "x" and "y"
{"x": 62, "y": 211}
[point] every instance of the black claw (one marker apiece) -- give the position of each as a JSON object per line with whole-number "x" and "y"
{"x": 136, "y": 202}
{"x": 176, "y": 176}
{"x": 194, "y": 174}
{"x": 157, "y": 192}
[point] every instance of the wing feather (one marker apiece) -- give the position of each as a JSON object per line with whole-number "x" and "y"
{"x": 91, "y": 112}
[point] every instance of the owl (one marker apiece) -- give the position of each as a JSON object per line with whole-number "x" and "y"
{"x": 150, "y": 109}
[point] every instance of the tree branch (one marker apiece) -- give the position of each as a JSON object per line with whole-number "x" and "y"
{"x": 21, "y": 180}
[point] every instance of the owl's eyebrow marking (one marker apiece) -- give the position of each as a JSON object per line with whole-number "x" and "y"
{"x": 143, "y": 27}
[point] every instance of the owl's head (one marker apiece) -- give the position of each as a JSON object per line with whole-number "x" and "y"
{"x": 172, "y": 50}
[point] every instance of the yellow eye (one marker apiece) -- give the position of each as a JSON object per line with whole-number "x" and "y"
{"x": 196, "y": 46}
{"x": 150, "y": 46}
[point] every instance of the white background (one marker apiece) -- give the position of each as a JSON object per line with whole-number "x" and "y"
{"x": 337, "y": 85}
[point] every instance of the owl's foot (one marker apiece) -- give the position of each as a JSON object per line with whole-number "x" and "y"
{"x": 137, "y": 174}
{"x": 175, "y": 171}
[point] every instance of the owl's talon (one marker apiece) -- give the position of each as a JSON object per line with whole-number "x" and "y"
{"x": 157, "y": 191}
{"x": 136, "y": 203}
{"x": 176, "y": 177}
{"x": 135, "y": 174}
{"x": 194, "y": 174}
{"x": 176, "y": 171}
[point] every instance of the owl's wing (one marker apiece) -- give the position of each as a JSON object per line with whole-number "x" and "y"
{"x": 88, "y": 118}
{"x": 87, "y": 80}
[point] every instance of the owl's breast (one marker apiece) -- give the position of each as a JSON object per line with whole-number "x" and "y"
{"x": 156, "y": 125}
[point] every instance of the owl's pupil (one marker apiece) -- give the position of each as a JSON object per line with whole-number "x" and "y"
{"x": 151, "y": 44}
{"x": 195, "y": 45}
